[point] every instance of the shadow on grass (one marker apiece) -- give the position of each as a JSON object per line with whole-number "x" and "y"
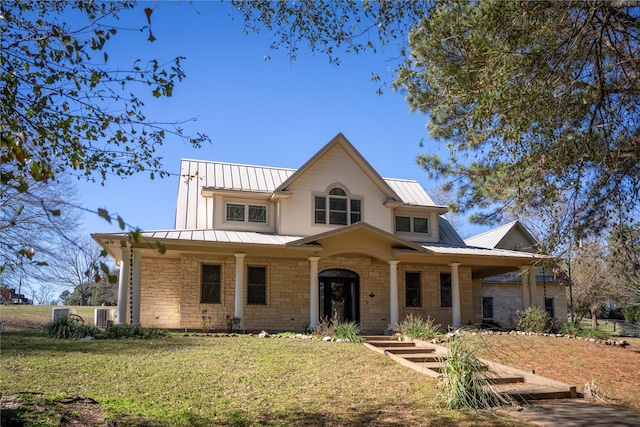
{"x": 29, "y": 342}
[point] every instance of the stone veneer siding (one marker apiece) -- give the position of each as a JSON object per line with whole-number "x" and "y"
{"x": 507, "y": 299}
{"x": 170, "y": 295}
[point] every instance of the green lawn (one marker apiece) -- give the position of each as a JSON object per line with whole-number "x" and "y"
{"x": 232, "y": 381}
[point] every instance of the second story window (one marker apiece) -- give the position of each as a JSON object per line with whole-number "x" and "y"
{"x": 337, "y": 208}
{"x": 412, "y": 224}
{"x": 246, "y": 213}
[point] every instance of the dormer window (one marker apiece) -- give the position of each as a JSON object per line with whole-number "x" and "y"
{"x": 409, "y": 224}
{"x": 246, "y": 213}
{"x": 337, "y": 208}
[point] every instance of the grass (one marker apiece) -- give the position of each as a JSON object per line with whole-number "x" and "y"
{"x": 198, "y": 380}
{"x": 18, "y": 317}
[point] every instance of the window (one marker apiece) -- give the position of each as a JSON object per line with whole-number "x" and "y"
{"x": 487, "y": 307}
{"x": 337, "y": 208}
{"x": 548, "y": 306}
{"x": 257, "y": 285}
{"x": 412, "y": 289}
{"x": 445, "y": 290}
{"x": 246, "y": 213}
{"x": 407, "y": 224}
{"x": 210, "y": 284}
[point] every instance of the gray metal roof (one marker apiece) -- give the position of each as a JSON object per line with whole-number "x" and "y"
{"x": 491, "y": 238}
{"x": 457, "y": 250}
{"x": 239, "y": 177}
{"x": 219, "y": 236}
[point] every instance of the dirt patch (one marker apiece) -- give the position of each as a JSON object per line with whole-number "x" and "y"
{"x": 69, "y": 412}
{"x": 615, "y": 370}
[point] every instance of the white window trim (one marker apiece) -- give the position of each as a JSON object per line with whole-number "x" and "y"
{"x": 349, "y": 197}
{"x": 411, "y": 224}
{"x": 246, "y": 213}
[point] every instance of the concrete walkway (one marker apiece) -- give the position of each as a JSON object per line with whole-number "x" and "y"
{"x": 573, "y": 413}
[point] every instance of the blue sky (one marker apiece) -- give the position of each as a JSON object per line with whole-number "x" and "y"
{"x": 256, "y": 111}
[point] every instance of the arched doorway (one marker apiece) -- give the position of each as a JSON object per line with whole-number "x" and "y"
{"x": 340, "y": 294}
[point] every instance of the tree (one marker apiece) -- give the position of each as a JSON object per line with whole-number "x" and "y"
{"x": 624, "y": 261}
{"x": 34, "y": 224}
{"x": 76, "y": 268}
{"x": 60, "y": 100}
{"x": 537, "y": 101}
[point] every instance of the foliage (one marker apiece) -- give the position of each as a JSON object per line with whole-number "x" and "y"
{"x": 538, "y": 103}
{"x": 348, "y": 331}
{"x": 624, "y": 260}
{"x": 570, "y": 328}
{"x": 415, "y": 327}
{"x": 533, "y": 319}
{"x": 68, "y": 328}
{"x": 464, "y": 379}
{"x": 62, "y": 101}
{"x": 129, "y": 331}
{"x": 631, "y": 313}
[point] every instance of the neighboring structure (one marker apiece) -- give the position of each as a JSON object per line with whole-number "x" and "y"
{"x": 503, "y": 295}
{"x": 280, "y": 249}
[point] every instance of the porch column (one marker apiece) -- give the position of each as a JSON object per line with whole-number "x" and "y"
{"x": 136, "y": 271}
{"x": 393, "y": 292}
{"x": 533, "y": 287}
{"x": 455, "y": 295}
{"x": 123, "y": 285}
{"x": 526, "y": 300}
{"x": 314, "y": 292}
{"x": 239, "y": 300}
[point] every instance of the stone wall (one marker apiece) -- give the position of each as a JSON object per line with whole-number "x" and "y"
{"x": 171, "y": 293}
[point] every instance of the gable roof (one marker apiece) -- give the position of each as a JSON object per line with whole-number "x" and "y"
{"x": 341, "y": 140}
{"x": 491, "y": 239}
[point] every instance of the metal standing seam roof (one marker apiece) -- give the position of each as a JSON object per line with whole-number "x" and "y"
{"x": 240, "y": 177}
{"x": 219, "y": 236}
{"x": 491, "y": 238}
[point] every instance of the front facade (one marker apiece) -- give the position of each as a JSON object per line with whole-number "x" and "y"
{"x": 281, "y": 249}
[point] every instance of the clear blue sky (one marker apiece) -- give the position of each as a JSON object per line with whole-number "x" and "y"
{"x": 256, "y": 111}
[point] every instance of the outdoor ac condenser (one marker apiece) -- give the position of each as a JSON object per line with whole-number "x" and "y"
{"x": 59, "y": 312}
{"x": 103, "y": 317}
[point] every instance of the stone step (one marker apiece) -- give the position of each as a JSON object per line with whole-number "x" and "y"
{"x": 410, "y": 350}
{"x": 419, "y": 358}
{"x": 523, "y": 392}
{"x": 392, "y": 343}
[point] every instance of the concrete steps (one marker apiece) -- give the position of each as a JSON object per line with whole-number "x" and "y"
{"x": 512, "y": 383}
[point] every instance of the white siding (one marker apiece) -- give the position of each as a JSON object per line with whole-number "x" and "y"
{"x": 336, "y": 166}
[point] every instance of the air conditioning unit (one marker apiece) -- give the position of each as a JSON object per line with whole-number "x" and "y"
{"x": 103, "y": 317}
{"x": 59, "y": 312}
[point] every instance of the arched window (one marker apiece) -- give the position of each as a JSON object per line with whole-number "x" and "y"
{"x": 337, "y": 208}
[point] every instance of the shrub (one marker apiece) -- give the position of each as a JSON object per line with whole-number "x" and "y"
{"x": 629, "y": 330}
{"x": 570, "y": 328}
{"x": 465, "y": 380}
{"x": 534, "y": 319}
{"x": 593, "y": 333}
{"x": 347, "y": 331}
{"x": 416, "y": 327}
{"x": 631, "y": 313}
{"x": 129, "y": 331}
{"x": 68, "y": 328}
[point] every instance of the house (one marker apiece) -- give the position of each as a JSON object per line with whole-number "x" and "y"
{"x": 504, "y": 294}
{"x": 280, "y": 249}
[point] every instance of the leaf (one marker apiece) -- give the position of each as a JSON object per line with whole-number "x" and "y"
{"x": 151, "y": 38}
{"x": 121, "y": 223}
{"x": 103, "y": 213}
{"x": 55, "y": 212}
{"x": 148, "y": 11}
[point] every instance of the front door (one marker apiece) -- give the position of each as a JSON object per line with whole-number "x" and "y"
{"x": 340, "y": 295}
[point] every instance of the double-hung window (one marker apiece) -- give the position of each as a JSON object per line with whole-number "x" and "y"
{"x": 446, "y": 298}
{"x": 412, "y": 289}
{"x": 337, "y": 208}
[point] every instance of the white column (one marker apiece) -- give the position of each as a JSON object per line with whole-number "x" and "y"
{"x": 239, "y": 300}
{"x": 526, "y": 301}
{"x": 393, "y": 292}
{"x": 533, "y": 288}
{"x": 314, "y": 292}
{"x": 123, "y": 285}
{"x": 455, "y": 296}
{"x": 135, "y": 286}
